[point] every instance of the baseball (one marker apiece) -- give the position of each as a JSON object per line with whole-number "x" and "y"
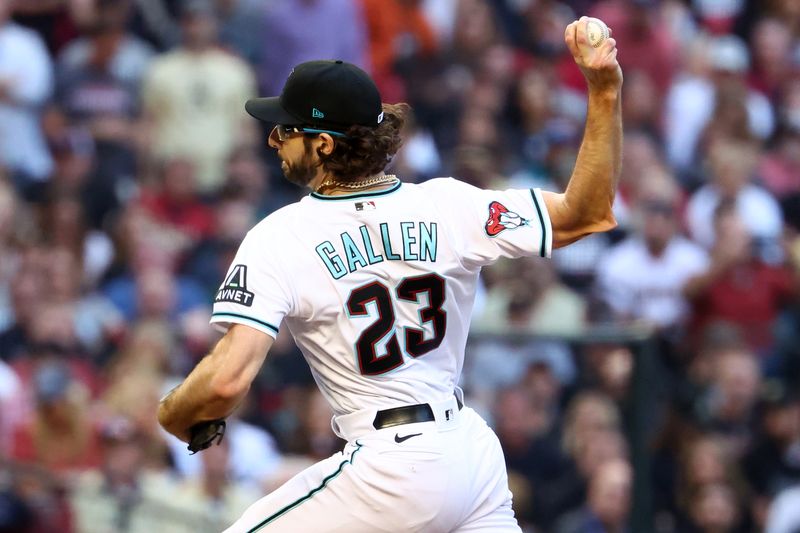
{"x": 596, "y": 32}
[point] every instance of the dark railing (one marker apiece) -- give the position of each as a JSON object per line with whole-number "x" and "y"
{"x": 641, "y": 341}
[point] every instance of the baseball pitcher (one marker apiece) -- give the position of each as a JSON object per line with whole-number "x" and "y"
{"x": 375, "y": 280}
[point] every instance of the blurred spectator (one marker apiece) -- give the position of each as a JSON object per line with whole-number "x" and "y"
{"x": 642, "y": 277}
{"x": 772, "y": 55}
{"x": 780, "y": 167}
{"x": 716, "y": 64}
{"x": 121, "y": 495}
{"x": 526, "y": 295}
{"x": 240, "y": 26}
{"x": 608, "y": 502}
{"x": 714, "y": 508}
{"x": 784, "y": 514}
{"x": 525, "y": 426}
{"x": 95, "y": 321}
{"x": 732, "y": 164}
{"x": 331, "y": 29}
{"x": 641, "y": 109}
{"x": 175, "y": 203}
{"x": 638, "y": 30}
{"x": 773, "y": 462}
{"x": 398, "y": 33}
{"x": 99, "y": 78}
{"x": 441, "y": 15}
{"x": 193, "y": 96}
{"x": 609, "y": 368}
{"x": 155, "y": 292}
{"x": 64, "y": 225}
{"x": 209, "y": 261}
{"x": 524, "y": 360}
{"x": 476, "y": 30}
{"x": 12, "y": 227}
{"x": 11, "y": 403}
{"x": 26, "y": 79}
{"x": 213, "y": 497}
{"x": 59, "y": 434}
{"x": 27, "y": 287}
{"x": 590, "y": 438}
{"x": 728, "y": 407}
{"x": 739, "y": 287}
{"x": 251, "y": 456}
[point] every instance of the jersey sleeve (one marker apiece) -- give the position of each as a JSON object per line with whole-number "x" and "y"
{"x": 493, "y": 224}
{"x": 255, "y": 291}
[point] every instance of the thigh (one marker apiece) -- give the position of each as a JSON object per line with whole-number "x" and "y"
{"x": 316, "y": 499}
{"x": 500, "y": 520}
{"x": 490, "y": 508}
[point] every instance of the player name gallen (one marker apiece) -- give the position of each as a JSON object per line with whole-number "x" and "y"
{"x": 411, "y": 241}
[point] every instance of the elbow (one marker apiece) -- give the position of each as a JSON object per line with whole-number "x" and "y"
{"x": 608, "y": 223}
{"x": 228, "y": 388}
{"x": 163, "y": 415}
{"x": 600, "y": 224}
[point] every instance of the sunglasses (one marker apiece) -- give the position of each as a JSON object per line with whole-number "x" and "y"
{"x": 284, "y": 132}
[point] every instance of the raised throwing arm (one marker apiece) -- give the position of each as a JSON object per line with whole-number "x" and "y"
{"x": 585, "y": 206}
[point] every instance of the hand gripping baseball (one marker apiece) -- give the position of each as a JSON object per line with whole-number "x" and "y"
{"x": 203, "y": 435}
{"x": 597, "y": 61}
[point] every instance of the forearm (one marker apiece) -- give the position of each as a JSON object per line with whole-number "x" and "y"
{"x": 591, "y": 189}
{"x": 199, "y": 398}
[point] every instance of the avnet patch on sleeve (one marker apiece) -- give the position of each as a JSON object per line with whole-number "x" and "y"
{"x": 234, "y": 289}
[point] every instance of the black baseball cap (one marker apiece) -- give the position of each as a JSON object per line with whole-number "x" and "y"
{"x": 330, "y": 95}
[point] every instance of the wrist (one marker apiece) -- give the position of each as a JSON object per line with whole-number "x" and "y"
{"x": 611, "y": 94}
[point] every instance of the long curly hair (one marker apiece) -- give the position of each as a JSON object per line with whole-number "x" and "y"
{"x": 367, "y": 151}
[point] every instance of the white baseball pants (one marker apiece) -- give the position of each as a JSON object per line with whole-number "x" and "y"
{"x": 447, "y": 475}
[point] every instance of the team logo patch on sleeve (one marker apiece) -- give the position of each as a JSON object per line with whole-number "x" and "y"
{"x": 500, "y": 219}
{"x": 234, "y": 289}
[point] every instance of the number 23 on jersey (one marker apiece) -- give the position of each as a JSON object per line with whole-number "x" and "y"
{"x": 410, "y": 289}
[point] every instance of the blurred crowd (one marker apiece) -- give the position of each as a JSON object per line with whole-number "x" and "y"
{"x": 129, "y": 173}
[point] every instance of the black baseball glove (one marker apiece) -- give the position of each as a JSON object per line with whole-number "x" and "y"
{"x": 203, "y": 434}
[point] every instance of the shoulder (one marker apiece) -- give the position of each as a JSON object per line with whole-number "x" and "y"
{"x": 272, "y": 227}
{"x": 703, "y": 198}
{"x": 754, "y": 193}
{"x": 21, "y": 34}
{"x": 437, "y": 184}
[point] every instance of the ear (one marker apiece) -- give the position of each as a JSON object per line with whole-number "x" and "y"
{"x": 326, "y": 144}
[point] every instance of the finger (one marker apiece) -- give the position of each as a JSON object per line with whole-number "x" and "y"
{"x": 569, "y": 38}
{"x": 580, "y": 32}
{"x": 606, "y": 47}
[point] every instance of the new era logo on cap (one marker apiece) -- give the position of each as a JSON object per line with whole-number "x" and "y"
{"x": 316, "y": 113}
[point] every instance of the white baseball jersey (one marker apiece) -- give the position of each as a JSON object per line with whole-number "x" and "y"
{"x": 377, "y": 288}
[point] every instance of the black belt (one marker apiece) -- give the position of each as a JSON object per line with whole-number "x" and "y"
{"x": 408, "y": 414}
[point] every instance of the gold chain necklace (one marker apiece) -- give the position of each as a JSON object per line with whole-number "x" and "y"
{"x": 330, "y": 183}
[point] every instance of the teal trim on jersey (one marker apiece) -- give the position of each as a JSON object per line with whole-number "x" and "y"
{"x": 543, "y": 249}
{"x": 357, "y": 195}
{"x": 310, "y": 494}
{"x": 245, "y": 317}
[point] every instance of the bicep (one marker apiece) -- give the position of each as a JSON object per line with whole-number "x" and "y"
{"x": 563, "y": 221}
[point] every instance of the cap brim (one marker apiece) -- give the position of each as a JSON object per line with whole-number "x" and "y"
{"x": 270, "y": 110}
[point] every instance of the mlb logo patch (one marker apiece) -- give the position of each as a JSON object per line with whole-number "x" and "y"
{"x": 365, "y": 206}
